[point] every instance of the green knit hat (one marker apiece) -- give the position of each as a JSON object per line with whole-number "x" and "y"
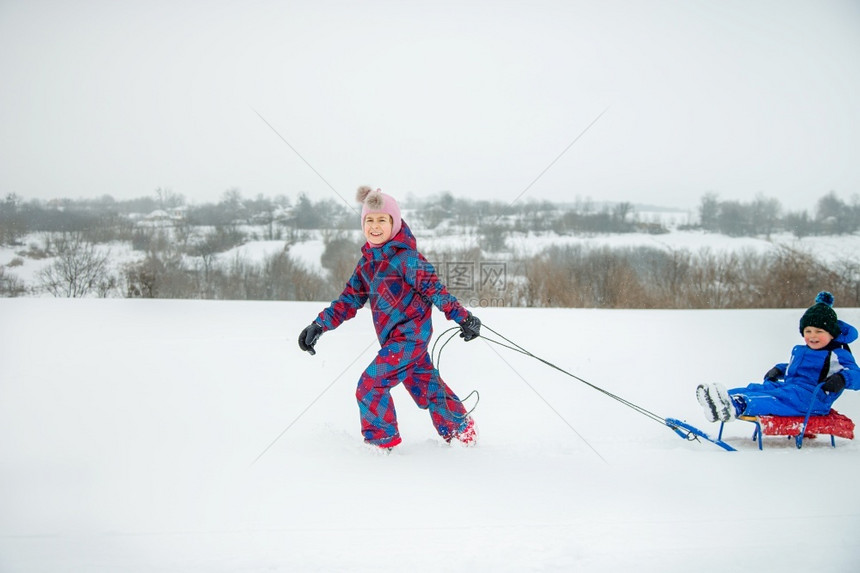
{"x": 821, "y": 315}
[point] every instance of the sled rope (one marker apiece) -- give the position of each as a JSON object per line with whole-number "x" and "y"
{"x": 436, "y": 360}
{"x": 682, "y": 429}
{"x": 455, "y": 329}
{"x": 511, "y": 345}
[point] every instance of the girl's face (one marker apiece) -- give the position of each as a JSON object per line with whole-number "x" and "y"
{"x": 816, "y": 338}
{"x": 377, "y": 228}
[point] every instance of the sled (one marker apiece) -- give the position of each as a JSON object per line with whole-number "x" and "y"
{"x": 690, "y": 432}
{"x": 799, "y": 427}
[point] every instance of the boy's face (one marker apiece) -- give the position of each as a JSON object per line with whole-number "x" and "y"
{"x": 377, "y": 227}
{"x": 816, "y": 338}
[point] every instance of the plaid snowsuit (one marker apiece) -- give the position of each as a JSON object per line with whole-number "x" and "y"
{"x": 401, "y": 286}
{"x": 793, "y": 395}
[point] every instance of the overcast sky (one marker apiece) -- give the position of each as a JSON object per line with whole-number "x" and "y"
{"x": 738, "y": 98}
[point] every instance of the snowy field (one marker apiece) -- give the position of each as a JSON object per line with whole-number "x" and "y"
{"x": 130, "y": 431}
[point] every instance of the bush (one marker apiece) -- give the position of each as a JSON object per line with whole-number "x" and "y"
{"x": 644, "y": 277}
{"x": 10, "y": 285}
{"x": 340, "y": 256}
{"x": 160, "y": 276}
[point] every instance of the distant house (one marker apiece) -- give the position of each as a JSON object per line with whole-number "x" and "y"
{"x": 164, "y": 217}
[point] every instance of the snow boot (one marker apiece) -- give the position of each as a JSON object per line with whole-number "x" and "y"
{"x": 468, "y": 436}
{"x": 384, "y": 447}
{"x": 708, "y": 406}
{"x": 718, "y": 394}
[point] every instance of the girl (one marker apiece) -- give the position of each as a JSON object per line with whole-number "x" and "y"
{"x": 401, "y": 286}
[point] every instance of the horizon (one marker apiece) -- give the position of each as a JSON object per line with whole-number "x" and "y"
{"x": 411, "y": 198}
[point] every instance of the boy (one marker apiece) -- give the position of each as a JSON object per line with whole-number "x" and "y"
{"x": 401, "y": 286}
{"x": 789, "y": 388}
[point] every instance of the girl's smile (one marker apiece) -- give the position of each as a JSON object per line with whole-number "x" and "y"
{"x": 377, "y": 228}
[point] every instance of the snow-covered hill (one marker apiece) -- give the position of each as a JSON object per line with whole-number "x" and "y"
{"x": 130, "y": 429}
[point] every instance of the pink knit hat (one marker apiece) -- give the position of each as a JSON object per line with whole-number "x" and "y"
{"x": 378, "y": 202}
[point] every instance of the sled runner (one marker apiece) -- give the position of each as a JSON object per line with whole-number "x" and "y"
{"x": 690, "y": 432}
{"x": 800, "y": 427}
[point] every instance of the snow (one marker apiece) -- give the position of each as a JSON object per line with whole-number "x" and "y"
{"x": 309, "y": 253}
{"x": 253, "y": 251}
{"x": 829, "y": 248}
{"x": 130, "y": 429}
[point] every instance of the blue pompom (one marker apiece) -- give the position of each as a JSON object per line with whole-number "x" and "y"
{"x": 824, "y": 297}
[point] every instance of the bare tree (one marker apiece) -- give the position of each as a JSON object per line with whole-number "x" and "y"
{"x": 79, "y": 269}
{"x": 765, "y": 214}
{"x": 167, "y": 199}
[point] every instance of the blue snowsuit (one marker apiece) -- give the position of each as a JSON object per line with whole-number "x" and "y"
{"x": 806, "y": 368}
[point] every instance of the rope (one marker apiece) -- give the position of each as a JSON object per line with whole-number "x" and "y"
{"x": 511, "y": 345}
{"x": 683, "y": 429}
{"x": 436, "y": 358}
{"x": 515, "y": 347}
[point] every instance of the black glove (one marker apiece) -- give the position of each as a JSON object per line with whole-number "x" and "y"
{"x": 470, "y": 328}
{"x": 834, "y": 383}
{"x": 309, "y": 336}
{"x": 773, "y": 374}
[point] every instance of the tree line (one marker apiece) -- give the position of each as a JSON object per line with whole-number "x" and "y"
{"x": 764, "y": 216}
{"x": 279, "y": 215}
{"x": 180, "y": 251}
